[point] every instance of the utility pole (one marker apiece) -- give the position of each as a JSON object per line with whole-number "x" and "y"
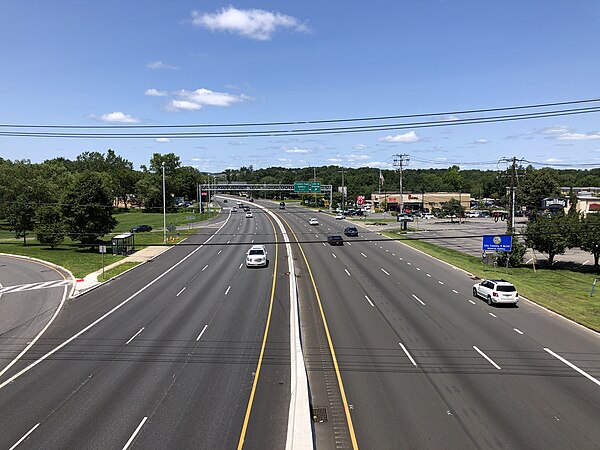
{"x": 164, "y": 205}
{"x": 343, "y": 190}
{"x": 399, "y": 162}
{"x": 315, "y": 180}
{"x": 510, "y": 222}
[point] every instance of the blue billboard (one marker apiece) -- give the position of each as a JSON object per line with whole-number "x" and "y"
{"x": 497, "y": 243}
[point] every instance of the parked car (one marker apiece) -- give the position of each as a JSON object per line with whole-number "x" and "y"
{"x": 313, "y": 221}
{"x": 428, "y": 216}
{"x": 351, "y": 231}
{"x": 234, "y": 209}
{"x": 257, "y": 256}
{"x": 141, "y": 228}
{"x": 335, "y": 239}
{"x": 496, "y": 291}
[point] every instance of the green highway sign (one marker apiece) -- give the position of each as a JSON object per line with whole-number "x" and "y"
{"x": 304, "y": 187}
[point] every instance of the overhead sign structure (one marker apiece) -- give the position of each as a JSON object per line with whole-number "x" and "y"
{"x": 304, "y": 187}
{"x": 497, "y": 243}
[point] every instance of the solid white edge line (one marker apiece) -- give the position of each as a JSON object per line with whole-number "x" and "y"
{"x": 179, "y": 293}
{"x": 408, "y": 354}
{"x": 24, "y": 437}
{"x": 418, "y": 299}
{"x": 385, "y": 271}
{"x": 518, "y": 331}
{"x": 137, "y": 430}
{"x": 104, "y": 316}
{"x": 488, "y": 358}
{"x": 201, "y": 333}
{"x": 227, "y": 291}
{"x": 369, "y": 300}
{"x": 573, "y": 366}
{"x": 134, "y": 336}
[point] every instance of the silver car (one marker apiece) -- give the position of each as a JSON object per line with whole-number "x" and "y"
{"x": 496, "y": 291}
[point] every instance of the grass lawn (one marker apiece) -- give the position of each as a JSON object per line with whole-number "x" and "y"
{"x": 565, "y": 291}
{"x": 108, "y": 274}
{"x": 83, "y": 260}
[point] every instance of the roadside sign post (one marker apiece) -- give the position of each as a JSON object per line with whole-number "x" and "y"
{"x": 497, "y": 243}
{"x": 102, "y": 249}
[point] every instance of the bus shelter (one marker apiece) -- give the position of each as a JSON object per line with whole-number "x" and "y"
{"x": 123, "y": 244}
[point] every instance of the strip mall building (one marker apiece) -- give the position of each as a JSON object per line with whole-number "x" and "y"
{"x": 419, "y": 201}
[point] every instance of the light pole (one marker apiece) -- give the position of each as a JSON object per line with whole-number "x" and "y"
{"x": 164, "y": 205}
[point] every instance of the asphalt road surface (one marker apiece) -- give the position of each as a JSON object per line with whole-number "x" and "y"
{"x": 424, "y": 364}
{"x": 165, "y": 356}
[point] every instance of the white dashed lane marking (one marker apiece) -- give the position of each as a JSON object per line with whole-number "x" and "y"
{"x": 363, "y": 254}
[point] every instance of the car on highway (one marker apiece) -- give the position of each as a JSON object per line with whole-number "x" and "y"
{"x": 496, "y": 291}
{"x": 313, "y": 221}
{"x": 257, "y": 256}
{"x": 335, "y": 239}
{"x": 141, "y": 228}
{"x": 351, "y": 231}
{"x": 225, "y": 201}
{"x": 282, "y": 205}
{"x": 246, "y": 208}
{"x": 249, "y": 215}
{"x": 340, "y": 216}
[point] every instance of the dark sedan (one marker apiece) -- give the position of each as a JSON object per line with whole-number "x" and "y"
{"x": 335, "y": 239}
{"x": 351, "y": 231}
{"x": 141, "y": 228}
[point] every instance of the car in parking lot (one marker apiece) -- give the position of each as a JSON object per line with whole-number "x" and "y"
{"x": 335, "y": 239}
{"x": 313, "y": 221}
{"x": 340, "y": 216}
{"x": 141, "y": 228}
{"x": 233, "y": 209}
{"x": 351, "y": 231}
{"x": 257, "y": 256}
{"x": 249, "y": 215}
{"x": 496, "y": 291}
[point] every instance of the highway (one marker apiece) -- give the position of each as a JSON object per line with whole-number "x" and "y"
{"x": 165, "y": 356}
{"x": 192, "y": 350}
{"x": 424, "y": 364}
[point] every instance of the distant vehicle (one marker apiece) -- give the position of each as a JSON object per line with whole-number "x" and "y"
{"x": 234, "y": 209}
{"x": 335, "y": 239}
{"x": 246, "y": 208}
{"x": 471, "y": 214}
{"x": 313, "y": 221}
{"x": 257, "y": 256}
{"x": 141, "y": 228}
{"x": 282, "y": 205}
{"x": 428, "y": 216}
{"x": 225, "y": 201}
{"x": 496, "y": 291}
{"x": 250, "y": 199}
{"x": 249, "y": 215}
{"x": 351, "y": 231}
{"x": 340, "y": 216}
{"x": 240, "y": 204}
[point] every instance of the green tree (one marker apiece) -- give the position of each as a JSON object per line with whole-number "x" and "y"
{"x": 547, "y": 235}
{"x": 87, "y": 208}
{"x": 452, "y": 208}
{"x": 589, "y": 236}
{"x": 49, "y": 228}
{"x": 537, "y": 185}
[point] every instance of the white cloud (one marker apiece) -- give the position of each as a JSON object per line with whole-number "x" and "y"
{"x": 360, "y": 147}
{"x": 284, "y": 160}
{"x": 295, "y": 150}
{"x": 556, "y": 129}
{"x": 553, "y": 160}
{"x": 579, "y": 136}
{"x": 411, "y": 136}
{"x": 354, "y": 158}
{"x": 334, "y": 160}
{"x": 155, "y": 93}
{"x": 163, "y": 140}
{"x": 185, "y": 100}
{"x": 381, "y": 164}
{"x": 251, "y": 23}
{"x": 480, "y": 141}
{"x": 119, "y": 117}
{"x": 182, "y": 105}
{"x": 161, "y": 65}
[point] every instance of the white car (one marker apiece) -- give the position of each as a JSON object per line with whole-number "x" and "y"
{"x": 249, "y": 215}
{"x": 340, "y": 217}
{"x": 313, "y": 221}
{"x": 496, "y": 291}
{"x": 256, "y": 256}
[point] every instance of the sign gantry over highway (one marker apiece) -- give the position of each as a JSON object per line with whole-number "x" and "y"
{"x": 304, "y": 187}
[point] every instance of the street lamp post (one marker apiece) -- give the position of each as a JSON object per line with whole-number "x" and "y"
{"x": 164, "y": 205}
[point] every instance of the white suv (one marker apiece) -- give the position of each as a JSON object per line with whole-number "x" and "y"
{"x": 256, "y": 256}
{"x": 496, "y": 291}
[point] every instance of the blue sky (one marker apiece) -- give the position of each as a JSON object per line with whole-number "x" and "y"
{"x": 204, "y": 62}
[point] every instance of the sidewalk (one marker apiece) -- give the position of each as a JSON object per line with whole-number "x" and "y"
{"x": 91, "y": 280}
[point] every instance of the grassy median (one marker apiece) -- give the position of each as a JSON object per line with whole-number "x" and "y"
{"x": 565, "y": 291}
